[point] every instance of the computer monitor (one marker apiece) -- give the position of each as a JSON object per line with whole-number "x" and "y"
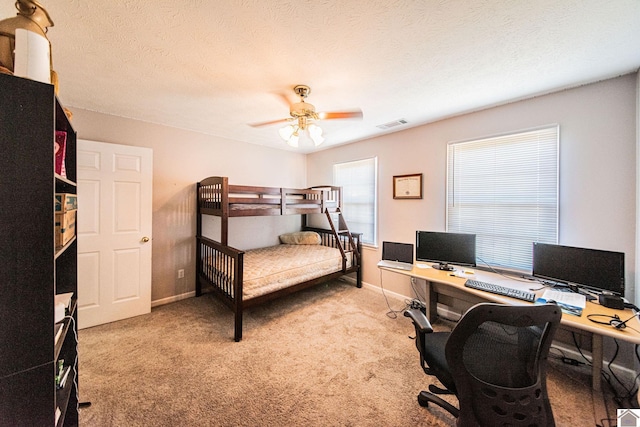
{"x": 446, "y": 248}
{"x": 400, "y": 252}
{"x": 589, "y": 268}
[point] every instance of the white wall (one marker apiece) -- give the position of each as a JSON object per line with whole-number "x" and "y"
{"x": 597, "y": 169}
{"x": 597, "y": 175}
{"x": 181, "y": 158}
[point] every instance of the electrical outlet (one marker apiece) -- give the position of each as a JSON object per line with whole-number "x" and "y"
{"x": 181, "y": 274}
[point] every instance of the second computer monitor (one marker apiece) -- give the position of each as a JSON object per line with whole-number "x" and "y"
{"x": 446, "y": 248}
{"x": 596, "y": 269}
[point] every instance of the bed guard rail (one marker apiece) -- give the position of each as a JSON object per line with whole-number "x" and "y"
{"x": 222, "y": 266}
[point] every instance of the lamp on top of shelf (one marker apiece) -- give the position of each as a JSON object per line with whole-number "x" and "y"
{"x": 31, "y": 17}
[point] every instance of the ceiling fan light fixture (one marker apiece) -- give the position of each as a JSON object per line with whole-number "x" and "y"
{"x": 315, "y": 132}
{"x": 286, "y": 132}
{"x": 293, "y": 141}
{"x": 290, "y": 134}
{"x": 302, "y": 117}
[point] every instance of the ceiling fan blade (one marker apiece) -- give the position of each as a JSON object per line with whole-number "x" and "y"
{"x": 271, "y": 122}
{"x": 353, "y": 114}
{"x": 285, "y": 98}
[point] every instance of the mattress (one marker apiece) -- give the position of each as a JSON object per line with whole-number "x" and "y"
{"x": 261, "y": 206}
{"x": 276, "y": 267}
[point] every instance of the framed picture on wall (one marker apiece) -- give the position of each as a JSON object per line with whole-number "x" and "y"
{"x": 407, "y": 186}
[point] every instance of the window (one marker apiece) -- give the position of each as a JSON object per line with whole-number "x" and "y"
{"x": 505, "y": 190}
{"x": 359, "y": 183}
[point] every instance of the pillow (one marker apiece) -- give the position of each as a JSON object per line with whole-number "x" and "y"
{"x": 300, "y": 238}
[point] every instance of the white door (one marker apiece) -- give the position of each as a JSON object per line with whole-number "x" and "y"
{"x": 114, "y": 232}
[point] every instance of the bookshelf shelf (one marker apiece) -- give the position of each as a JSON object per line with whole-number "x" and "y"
{"x": 61, "y": 249}
{"x": 65, "y": 180}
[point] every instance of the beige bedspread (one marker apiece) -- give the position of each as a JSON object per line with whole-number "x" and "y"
{"x": 276, "y": 267}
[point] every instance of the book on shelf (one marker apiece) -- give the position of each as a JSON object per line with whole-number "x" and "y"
{"x": 57, "y": 331}
{"x": 62, "y": 372}
{"x": 60, "y": 150}
{"x": 63, "y": 377}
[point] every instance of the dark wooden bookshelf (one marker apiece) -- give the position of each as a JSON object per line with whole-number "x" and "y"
{"x": 32, "y": 269}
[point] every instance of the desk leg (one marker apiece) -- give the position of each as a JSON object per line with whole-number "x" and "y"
{"x": 596, "y": 361}
{"x": 431, "y": 302}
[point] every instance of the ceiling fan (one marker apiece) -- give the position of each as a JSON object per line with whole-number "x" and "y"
{"x": 303, "y": 116}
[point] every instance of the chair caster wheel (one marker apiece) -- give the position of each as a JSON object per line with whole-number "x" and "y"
{"x": 423, "y": 401}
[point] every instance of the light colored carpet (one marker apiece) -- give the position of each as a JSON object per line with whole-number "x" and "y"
{"x": 328, "y": 356}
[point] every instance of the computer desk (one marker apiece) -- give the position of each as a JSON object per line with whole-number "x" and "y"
{"x": 441, "y": 284}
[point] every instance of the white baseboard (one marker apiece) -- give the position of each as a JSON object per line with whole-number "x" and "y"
{"x": 443, "y": 310}
{"x": 174, "y": 298}
{"x": 387, "y": 292}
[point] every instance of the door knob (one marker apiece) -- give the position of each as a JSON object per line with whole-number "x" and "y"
{"x": 145, "y": 239}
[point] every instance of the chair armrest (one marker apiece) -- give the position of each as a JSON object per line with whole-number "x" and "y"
{"x": 419, "y": 320}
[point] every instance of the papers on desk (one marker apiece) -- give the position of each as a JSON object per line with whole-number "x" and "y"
{"x": 570, "y": 302}
{"x": 463, "y": 273}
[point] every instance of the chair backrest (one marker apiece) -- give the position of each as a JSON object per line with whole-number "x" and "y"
{"x": 497, "y": 357}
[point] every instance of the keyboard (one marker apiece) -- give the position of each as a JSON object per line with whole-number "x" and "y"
{"x": 500, "y": 290}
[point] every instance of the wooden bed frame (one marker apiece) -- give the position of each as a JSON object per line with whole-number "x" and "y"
{"x": 216, "y": 197}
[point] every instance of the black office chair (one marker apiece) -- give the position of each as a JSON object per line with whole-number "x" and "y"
{"x": 494, "y": 361}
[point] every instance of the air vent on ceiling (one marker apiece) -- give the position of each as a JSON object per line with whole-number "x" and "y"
{"x": 392, "y": 124}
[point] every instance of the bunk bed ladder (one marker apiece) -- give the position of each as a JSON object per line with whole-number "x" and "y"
{"x": 342, "y": 230}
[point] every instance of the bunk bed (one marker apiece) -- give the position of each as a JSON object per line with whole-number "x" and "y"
{"x": 242, "y": 279}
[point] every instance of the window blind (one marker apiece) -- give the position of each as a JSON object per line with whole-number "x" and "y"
{"x": 504, "y": 189}
{"x": 358, "y": 180}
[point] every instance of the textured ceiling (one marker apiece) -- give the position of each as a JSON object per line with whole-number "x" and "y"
{"x": 215, "y": 66}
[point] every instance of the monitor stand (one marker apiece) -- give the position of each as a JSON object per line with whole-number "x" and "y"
{"x": 564, "y": 287}
{"x": 443, "y": 266}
